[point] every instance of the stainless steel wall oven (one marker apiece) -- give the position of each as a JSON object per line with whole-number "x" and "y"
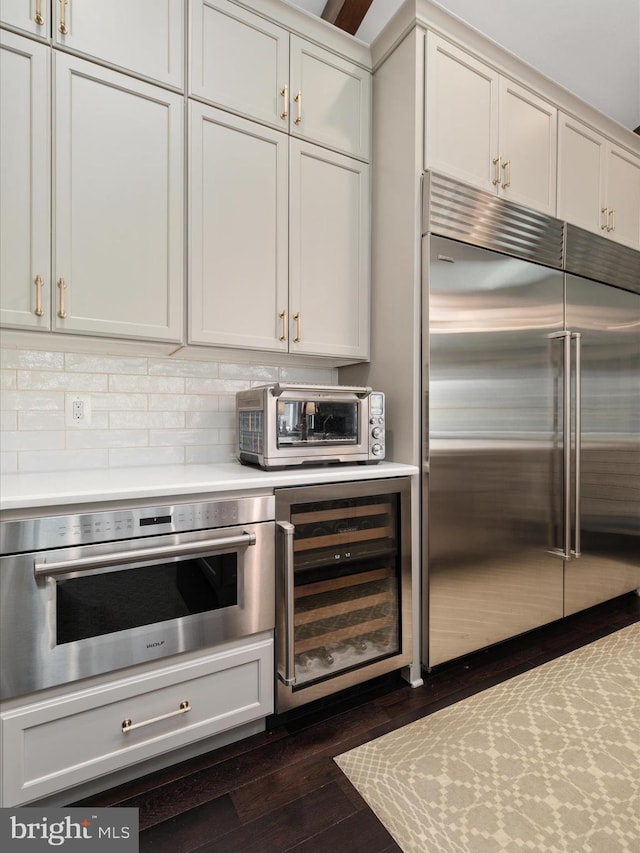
{"x": 91, "y": 593}
{"x": 343, "y": 586}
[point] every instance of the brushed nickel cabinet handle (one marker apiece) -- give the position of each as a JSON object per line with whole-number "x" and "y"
{"x": 129, "y": 726}
{"x": 62, "y": 311}
{"x": 38, "y": 310}
{"x": 604, "y": 225}
{"x": 285, "y": 101}
{"x": 298, "y": 320}
{"x": 62, "y": 26}
{"x": 283, "y": 333}
{"x": 496, "y": 179}
{"x": 38, "y": 18}
{"x": 507, "y": 170}
{"x": 298, "y": 100}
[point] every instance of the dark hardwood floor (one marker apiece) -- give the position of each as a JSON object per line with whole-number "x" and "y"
{"x": 281, "y": 791}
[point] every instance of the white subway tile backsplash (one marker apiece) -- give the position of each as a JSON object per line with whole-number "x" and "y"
{"x": 50, "y": 381}
{"x": 81, "y": 363}
{"x": 131, "y": 457}
{"x": 146, "y": 420}
{"x": 209, "y": 454}
{"x": 183, "y": 437}
{"x": 144, "y": 410}
{"x": 31, "y": 359}
{"x": 63, "y": 460}
{"x": 147, "y": 384}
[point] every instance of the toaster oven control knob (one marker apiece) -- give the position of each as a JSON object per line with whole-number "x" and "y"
{"x": 376, "y": 449}
{"x": 373, "y": 420}
{"x": 376, "y": 432}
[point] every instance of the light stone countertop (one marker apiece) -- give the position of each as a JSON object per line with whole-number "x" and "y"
{"x": 60, "y": 490}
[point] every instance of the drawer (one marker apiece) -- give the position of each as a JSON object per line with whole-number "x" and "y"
{"x": 50, "y": 746}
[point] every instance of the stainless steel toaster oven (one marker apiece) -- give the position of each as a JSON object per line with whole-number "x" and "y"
{"x": 290, "y": 424}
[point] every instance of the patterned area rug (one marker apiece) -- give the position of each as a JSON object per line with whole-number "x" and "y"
{"x": 545, "y": 762}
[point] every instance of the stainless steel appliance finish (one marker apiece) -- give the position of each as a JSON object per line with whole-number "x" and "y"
{"x": 532, "y": 410}
{"x": 292, "y": 424}
{"x": 91, "y": 593}
{"x": 343, "y": 583}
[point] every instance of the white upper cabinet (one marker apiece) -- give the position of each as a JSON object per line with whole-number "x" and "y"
{"x": 145, "y": 37}
{"x": 238, "y": 244}
{"x": 598, "y": 183}
{"x": 331, "y": 100}
{"x": 118, "y": 203}
{"x": 245, "y": 63}
{"x": 31, "y": 16}
{"x": 486, "y": 130}
{"x": 329, "y": 250}
{"x": 239, "y": 61}
{"x": 25, "y": 156}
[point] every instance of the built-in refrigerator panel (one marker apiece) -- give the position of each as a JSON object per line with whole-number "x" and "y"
{"x": 493, "y": 380}
{"x": 607, "y": 320}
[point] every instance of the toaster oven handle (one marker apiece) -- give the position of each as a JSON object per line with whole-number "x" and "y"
{"x": 360, "y": 391}
{"x": 101, "y": 561}
{"x": 288, "y": 676}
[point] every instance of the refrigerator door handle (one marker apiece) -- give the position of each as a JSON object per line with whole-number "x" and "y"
{"x": 286, "y": 668}
{"x": 577, "y": 484}
{"x": 565, "y": 551}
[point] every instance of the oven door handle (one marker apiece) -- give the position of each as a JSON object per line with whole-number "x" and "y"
{"x": 100, "y": 561}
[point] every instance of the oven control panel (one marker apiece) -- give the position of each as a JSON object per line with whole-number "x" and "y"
{"x": 38, "y": 534}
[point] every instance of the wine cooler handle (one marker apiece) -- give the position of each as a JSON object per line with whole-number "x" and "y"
{"x": 287, "y": 674}
{"x": 577, "y": 484}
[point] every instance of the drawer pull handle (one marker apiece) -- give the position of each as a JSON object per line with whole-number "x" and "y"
{"x": 38, "y": 309}
{"x": 129, "y": 726}
{"x": 39, "y": 18}
{"x": 496, "y": 163}
{"x": 298, "y": 320}
{"x": 283, "y": 333}
{"x": 507, "y": 173}
{"x": 285, "y": 101}
{"x": 298, "y": 100}
{"x": 62, "y": 311}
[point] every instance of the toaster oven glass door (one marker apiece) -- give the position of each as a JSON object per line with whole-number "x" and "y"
{"x": 317, "y": 422}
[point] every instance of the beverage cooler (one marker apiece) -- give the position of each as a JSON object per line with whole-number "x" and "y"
{"x": 343, "y": 586}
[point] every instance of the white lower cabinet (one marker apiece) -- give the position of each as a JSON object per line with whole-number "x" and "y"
{"x": 279, "y": 245}
{"x": 51, "y": 745}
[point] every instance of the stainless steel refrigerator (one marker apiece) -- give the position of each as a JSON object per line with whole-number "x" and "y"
{"x": 531, "y": 387}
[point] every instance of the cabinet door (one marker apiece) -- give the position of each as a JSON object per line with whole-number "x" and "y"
{"x": 118, "y": 204}
{"x": 239, "y": 61}
{"x": 329, "y": 253}
{"x": 145, "y": 37}
{"x": 461, "y": 134}
{"x": 25, "y": 158}
{"x": 330, "y": 99}
{"x": 32, "y": 16}
{"x": 581, "y": 174}
{"x": 623, "y": 196}
{"x": 527, "y": 148}
{"x": 238, "y": 277}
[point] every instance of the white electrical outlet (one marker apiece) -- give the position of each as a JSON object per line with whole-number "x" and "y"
{"x": 77, "y": 410}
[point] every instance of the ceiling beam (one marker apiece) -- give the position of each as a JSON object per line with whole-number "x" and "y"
{"x": 347, "y": 15}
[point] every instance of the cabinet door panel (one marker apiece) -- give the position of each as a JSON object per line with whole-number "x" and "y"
{"x": 24, "y": 180}
{"x": 461, "y": 133}
{"x": 623, "y": 195}
{"x": 119, "y": 203}
{"x": 335, "y": 105}
{"x": 581, "y": 158}
{"x": 32, "y": 16}
{"x": 528, "y": 133}
{"x": 145, "y": 37}
{"x": 329, "y": 252}
{"x": 238, "y": 220}
{"x": 239, "y": 61}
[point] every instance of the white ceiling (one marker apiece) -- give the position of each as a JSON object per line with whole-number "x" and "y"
{"x": 591, "y": 47}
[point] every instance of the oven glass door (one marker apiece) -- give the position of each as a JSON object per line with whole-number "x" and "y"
{"x": 91, "y": 605}
{"x": 346, "y": 558}
{"x": 301, "y": 423}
